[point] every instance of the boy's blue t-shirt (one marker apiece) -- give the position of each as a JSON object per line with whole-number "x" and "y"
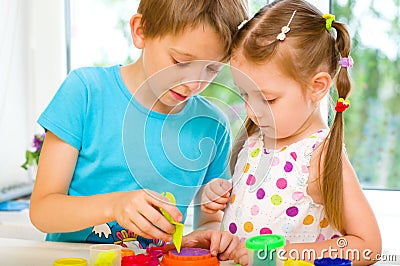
{"x": 124, "y": 146}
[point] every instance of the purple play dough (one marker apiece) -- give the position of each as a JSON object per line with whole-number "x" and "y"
{"x": 191, "y": 252}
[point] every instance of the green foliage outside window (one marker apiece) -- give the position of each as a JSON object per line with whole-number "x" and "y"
{"x": 373, "y": 121}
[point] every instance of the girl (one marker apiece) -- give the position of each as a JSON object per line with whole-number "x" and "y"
{"x": 291, "y": 174}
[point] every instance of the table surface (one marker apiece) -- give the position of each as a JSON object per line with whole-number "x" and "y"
{"x": 19, "y": 252}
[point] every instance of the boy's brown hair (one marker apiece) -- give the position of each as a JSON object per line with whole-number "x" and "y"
{"x": 162, "y": 17}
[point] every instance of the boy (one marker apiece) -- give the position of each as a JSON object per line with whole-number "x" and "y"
{"x": 104, "y": 159}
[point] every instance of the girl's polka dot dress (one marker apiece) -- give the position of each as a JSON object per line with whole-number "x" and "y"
{"x": 269, "y": 193}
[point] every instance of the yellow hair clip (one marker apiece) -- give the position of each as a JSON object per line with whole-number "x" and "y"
{"x": 329, "y": 19}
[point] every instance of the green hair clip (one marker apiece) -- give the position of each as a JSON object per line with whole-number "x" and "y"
{"x": 329, "y": 19}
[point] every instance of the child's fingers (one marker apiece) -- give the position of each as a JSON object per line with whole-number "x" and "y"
{"x": 143, "y": 227}
{"x": 207, "y": 210}
{"x": 217, "y": 192}
{"x": 211, "y": 197}
{"x": 227, "y": 246}
{"x": 156, "y": 219}
{"x": 215, "y": 238}
{"x": 223, "y": 244}
{"x": 221, "y": 186}
{"x": 212, "y": 207}
{"x": 240, "y": 255}
{"x": 160, "y": 201}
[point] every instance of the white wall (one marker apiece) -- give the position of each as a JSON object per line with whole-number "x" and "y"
{"x": 323, "y": 5}
{"x": 46, "y": 53}
{"x": 32, "y": 65}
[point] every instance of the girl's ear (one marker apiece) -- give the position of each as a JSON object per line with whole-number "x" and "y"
{"x": 321, "y": 84}
{"x": 137, "y": 31}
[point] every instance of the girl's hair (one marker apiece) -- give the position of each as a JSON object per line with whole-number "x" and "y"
{"x": 309, "y": 48}
{"x": 162, "y": 17}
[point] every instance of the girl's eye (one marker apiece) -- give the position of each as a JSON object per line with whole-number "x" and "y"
{"x": 270, "y": 101}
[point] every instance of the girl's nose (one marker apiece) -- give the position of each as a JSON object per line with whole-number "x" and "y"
{"x": 253, "y": 113}
{"x": 255, "y": 109}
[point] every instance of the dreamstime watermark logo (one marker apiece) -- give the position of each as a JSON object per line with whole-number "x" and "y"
{"x": 340, "y": 251}
{"x": 341, "y": 242}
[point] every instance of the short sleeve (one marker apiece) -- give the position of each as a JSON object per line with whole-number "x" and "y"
{"x": 65, "y": 114}
{"x": 219, "y": 167}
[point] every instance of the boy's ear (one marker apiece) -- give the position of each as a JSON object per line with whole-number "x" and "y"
{"x": 137, "y": 31}
{"x": 321, "y": 84}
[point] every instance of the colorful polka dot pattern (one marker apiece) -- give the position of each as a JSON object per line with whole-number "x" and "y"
{"x": 233, "y": 228}
{"x": 260, "y": 193}
{"x": 276, "y": 200}
{"x": 255, "y": 210}
{"x": 233, "y": 197}
{"x": 246, "y": 168}
{"x": 265, "y": 231}
{"x": 251, "y": 180}
{"x": 279, "y": 205}
{"x": 248, "y": 227}
{"x": 309, "y": 219}
{"x": 292, "y": 211}
{"x": 281, "y": 183}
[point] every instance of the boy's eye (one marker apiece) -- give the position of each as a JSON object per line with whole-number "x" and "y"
{"x": 181, "y": 64}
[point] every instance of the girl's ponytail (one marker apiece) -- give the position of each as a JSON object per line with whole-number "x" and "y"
{"x": 332, "y": 184}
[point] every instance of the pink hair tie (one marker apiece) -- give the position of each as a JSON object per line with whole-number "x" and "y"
{"x": 346, "y": 61}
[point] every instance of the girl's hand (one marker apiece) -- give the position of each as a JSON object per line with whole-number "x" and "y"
{"x": 240, "y": 254}
{"x": 221, "y": 244}
{"x": 139, "y": 211}
{"x": 215, "y": 195}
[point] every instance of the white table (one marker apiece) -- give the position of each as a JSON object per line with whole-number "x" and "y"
{"x": 16, "y": 226}
{"x": 19, "y": 252}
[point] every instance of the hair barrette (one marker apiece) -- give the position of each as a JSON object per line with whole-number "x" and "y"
{"x": 285, "y": 29}
{"x": 242, "y": 24}
{"x": 329, "y": 18}
{"x": 346, "y": 61}
{"x": 342, "y": 105}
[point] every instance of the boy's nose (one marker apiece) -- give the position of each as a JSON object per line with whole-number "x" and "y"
{"x": 194, "y": 86}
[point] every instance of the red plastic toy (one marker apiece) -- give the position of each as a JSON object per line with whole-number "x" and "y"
{"x": 140, "y": 260}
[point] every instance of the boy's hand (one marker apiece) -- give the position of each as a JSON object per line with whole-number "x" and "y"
{"x": 215, "y": 195}
{"x": 139, "y": 211}
{"x": 221, "y": 244}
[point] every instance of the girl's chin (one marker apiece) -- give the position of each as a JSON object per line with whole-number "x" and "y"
{"x": 268, "y": 132}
